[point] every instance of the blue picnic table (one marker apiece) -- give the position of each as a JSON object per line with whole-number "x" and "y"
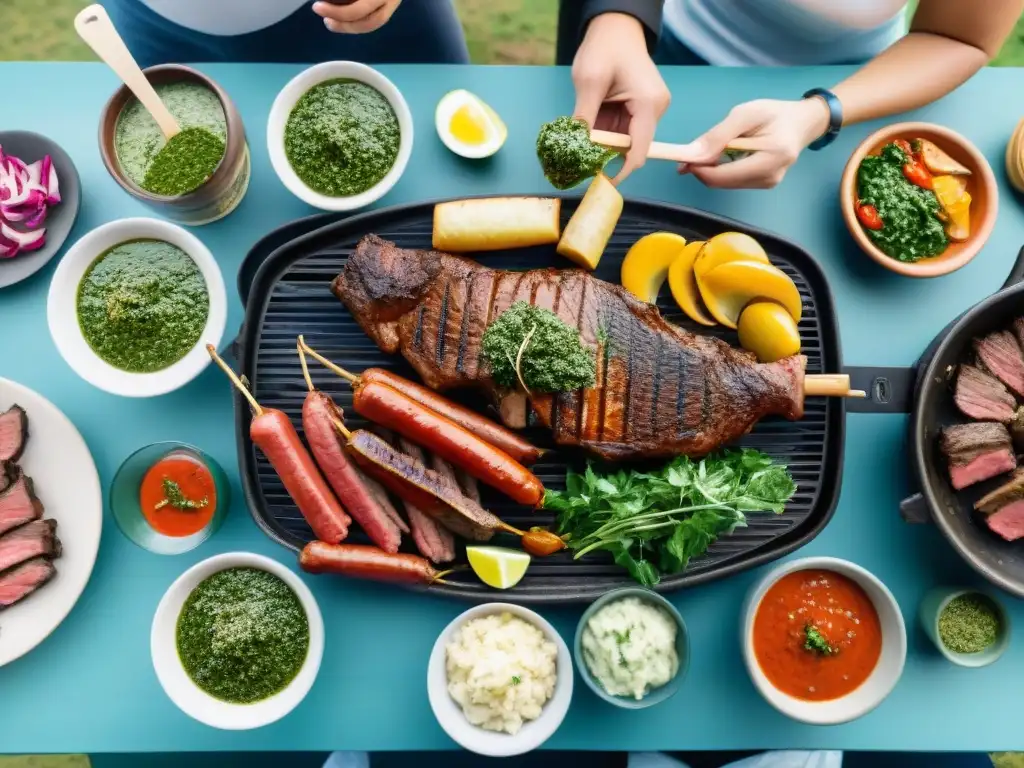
{"x": 91, "y": 687}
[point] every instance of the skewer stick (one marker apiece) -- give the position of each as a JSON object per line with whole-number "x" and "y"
{"x": 256, "y": 407}
{"x": 661, "y": 150}
{"x": 830, "y": 385}
{"x": 342, "y": 429}
{"x": 302, "y": 361}
{"x": 351, "y": 378}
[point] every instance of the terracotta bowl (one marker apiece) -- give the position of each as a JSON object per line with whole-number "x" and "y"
{"x": 981, "y": 185}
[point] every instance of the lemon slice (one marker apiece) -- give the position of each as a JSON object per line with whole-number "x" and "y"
{"x": 498, "y": 567}
{"x": 468, "y": 126}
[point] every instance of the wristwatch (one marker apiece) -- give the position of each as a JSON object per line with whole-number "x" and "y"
{"x": 835, "y": 116}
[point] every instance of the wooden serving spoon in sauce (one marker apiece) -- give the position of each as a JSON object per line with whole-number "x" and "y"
{"x": 93, "y": 25}
{"x": 660, "y": 150}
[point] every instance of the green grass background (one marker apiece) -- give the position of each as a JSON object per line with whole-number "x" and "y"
{"x": 498, "y": 32}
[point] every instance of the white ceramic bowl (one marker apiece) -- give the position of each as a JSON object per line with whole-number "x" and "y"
{"x": 492, "y": 743}
{"x": 282, "y": 108}
{"x": 191, "y": 699}
{"x": 62, "y": 315}
{"x": 872, "y": 691}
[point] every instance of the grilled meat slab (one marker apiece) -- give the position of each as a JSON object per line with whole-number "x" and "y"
{"x": 433, "y": 540}
{"x": 18, "y": 583}
{"x": 13, "y": 433}
{"x": 35, "y": 539}
{"x": 981, "y": 396}
{"x": 1000, "y": 353}
{"x": 18, "y": 503}
{"x": 660, "y": 390}
{"x": 976, "y": 452}
{"x": 1004, "y": 508}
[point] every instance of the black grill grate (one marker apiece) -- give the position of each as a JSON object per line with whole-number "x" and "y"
{"x": 291, "y": 295}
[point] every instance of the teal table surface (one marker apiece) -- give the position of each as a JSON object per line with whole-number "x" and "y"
{"x": 91, "y": 687}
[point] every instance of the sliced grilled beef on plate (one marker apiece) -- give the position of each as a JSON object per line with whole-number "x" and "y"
{"x": 981, "y": 396}
{"x": 1000, "y": 353}
{"x": 977, "y": 452}
{"x": 8, "y": 472}
{"x": 18, "y": 583}
{"x": 13, "y": 433}
{"x": 18, "y": 503}
{"x": 1003, "y": 508}
{"x": 35, "y": 539}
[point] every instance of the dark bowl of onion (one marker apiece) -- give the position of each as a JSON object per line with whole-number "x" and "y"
{"x": 169, "y": 497}
{"x": 196, "y": 177}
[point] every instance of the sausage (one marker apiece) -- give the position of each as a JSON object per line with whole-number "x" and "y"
{"x": 413, "y": 482}
{"x": 482, "y": 427}
{"x": 363, "y": 562}
{"x": 317, "y": 412}
{"x": 390, "y": 408}
{"x": 272, "y": 431}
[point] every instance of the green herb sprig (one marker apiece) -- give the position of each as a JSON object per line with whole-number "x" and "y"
{"x": 174, "y": 497}
{"x": 815, "y": 642}
{"x": 654, "y": 523}
{"x": 533, "y": 348}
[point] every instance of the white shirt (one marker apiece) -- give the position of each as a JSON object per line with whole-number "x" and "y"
{"x": 785, "y": 32}
{"x": 226, "y": 17}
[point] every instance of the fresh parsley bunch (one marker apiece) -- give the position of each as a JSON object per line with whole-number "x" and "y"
{"x": 654, "y": 523}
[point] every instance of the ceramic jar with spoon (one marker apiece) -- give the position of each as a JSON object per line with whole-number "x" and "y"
{"x": 160, "y": 111}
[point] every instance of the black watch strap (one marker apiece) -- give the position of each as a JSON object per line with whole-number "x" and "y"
{"x": 835, "y": 116}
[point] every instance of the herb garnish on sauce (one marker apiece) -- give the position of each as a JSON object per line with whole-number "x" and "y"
{"x": 174, "y": 497}
{"x": 536, "y": 350}
{"x": 815, "y": 642}
{"x": 654, "y": 523}
{"x": 566, "y": 153}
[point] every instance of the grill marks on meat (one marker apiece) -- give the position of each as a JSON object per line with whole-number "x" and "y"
{"x": 977, "y": 452}
{"x": 982, "y": 397}
{"x": 35, "y": 539}
{"x": 20, "y": 582}
{"x": 660, "y": 390}
{"x": 1004, "y": 508}
{"x": 13, "y": 433}
{"x": 18, "y": 503}
{"x": 1000, "y": 353}
{"x": 433, "y": 540}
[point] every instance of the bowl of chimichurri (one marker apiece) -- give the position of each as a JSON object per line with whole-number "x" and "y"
{"x": 196, "y": 177}
{"x": 133, "y": 304}
{"x": 237, "y": 641}
{"x": 919, "y": 199}
{"x": 339, "y": 135}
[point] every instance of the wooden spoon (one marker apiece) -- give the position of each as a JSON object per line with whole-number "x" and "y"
{"x": 95, "y": 28}
{"x": 660, "y": 150}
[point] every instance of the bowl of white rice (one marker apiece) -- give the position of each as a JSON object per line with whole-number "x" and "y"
{"x": 500, "y": 680}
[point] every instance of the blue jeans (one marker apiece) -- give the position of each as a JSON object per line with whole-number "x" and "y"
{"x": 420, "y": 32}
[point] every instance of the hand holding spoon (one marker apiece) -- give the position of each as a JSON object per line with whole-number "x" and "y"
{"x": 660, "y": 150}
{"x": 95, "y": 28}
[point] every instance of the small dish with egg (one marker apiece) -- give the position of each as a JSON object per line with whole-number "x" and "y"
{"x": 823, "y": 639}
{"x": 632, "y": 648}
{"x": 500, "y": 680}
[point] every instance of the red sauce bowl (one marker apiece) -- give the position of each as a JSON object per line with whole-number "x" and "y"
{"x": 981, "y": 185}
{"x": 878, "y": 683}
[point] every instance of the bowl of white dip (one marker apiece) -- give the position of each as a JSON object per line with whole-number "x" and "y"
{"x": 632, "y": 648}
{"x": 500, "y": 680}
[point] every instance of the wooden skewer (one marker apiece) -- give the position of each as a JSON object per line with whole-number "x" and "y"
{"x": 256, "y": 407}
{"x": 351, "y": 378}
{"x": 830, "y": 385}
{"x": 661, "y": 150}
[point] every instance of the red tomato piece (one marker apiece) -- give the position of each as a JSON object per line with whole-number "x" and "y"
{"x": 868, "y": 216}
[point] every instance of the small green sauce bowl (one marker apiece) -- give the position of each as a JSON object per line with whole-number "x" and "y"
{"x": 657, "y": 695}
{"x": 934, "y": 604}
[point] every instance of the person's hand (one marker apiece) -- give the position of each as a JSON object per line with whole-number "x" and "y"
{"x": 357, "y": 17}
{"x": 779, "y": 130}
{"x": 618, "y": 87}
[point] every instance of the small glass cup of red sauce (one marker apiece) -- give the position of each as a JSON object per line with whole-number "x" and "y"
{"x": 169, "y": 497}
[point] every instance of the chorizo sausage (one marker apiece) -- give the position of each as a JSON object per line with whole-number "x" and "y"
{"x": 362, "y": 562}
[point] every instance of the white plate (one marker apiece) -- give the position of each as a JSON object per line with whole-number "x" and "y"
{"x": 59, "y": 463}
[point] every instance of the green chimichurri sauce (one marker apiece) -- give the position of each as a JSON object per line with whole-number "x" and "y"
{"x": 342, "y": 138}
{"x": 185, "y": 163}
{"x": 138, "y": 139}
{"x": 142, "y": 305}
{"x": 242, "y": 635}
{"x": 567, "y": 155}
{"x": 911, "y": 229}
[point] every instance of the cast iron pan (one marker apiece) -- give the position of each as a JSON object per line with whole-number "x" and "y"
{"x": 286, "y": 291}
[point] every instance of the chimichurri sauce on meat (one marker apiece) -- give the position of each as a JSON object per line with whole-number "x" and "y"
{"x": 911, "y": 229}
